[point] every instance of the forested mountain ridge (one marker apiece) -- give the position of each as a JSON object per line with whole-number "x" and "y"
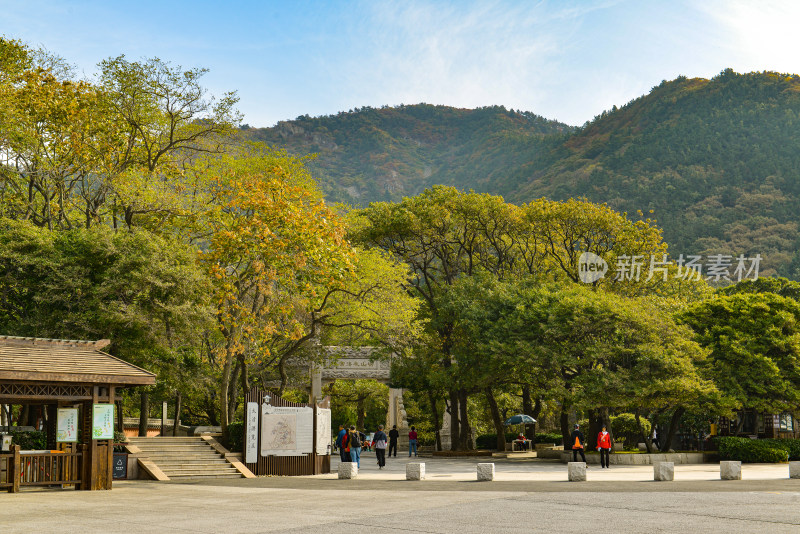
{"x": 387, "y": 153}
{"x": 717, "y": 161}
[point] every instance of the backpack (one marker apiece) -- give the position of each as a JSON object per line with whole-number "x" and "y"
{"x": 355, "y": 439}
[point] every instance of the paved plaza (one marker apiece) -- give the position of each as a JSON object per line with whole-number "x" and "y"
{"x": 526, "y": 496}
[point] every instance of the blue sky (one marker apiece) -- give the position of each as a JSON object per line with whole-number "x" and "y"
{"x": 565, "y": 60}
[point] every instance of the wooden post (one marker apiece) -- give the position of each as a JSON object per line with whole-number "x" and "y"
{"x": 14, "y": 470}
{"x": 110, "y": 460}
{"x": 163, "y": 419}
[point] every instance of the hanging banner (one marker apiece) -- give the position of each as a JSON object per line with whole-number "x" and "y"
{"x": 251, "y": 434}
{"x": 67, "y": 425}
{"x": 103, "y": 421}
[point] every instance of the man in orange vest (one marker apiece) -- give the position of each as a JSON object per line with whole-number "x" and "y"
{"x": 578, "y": 443}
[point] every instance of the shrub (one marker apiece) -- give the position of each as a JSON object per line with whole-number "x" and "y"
{"x": 548, "y": 437}
{"x": 792, "y": 446}
{"x": 752, "y": 450}
{"x": 426, "y": 437}
{"x": 489, "y": 441}
{"x": 32, "y": 440}
{"x": 236, "y": 436}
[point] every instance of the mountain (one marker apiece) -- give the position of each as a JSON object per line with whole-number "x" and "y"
{"x": 372, "y": 154}
{"x": 716, "y": 162}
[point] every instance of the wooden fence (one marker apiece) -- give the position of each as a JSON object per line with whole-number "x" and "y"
{"x": 54, "y": 468}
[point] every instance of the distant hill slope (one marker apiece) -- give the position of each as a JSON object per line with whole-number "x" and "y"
{"x": 717, "y": 161}
{"x": 375, "y": 154}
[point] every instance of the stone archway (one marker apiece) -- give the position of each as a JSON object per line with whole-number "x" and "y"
{"x": 354, "y": 363}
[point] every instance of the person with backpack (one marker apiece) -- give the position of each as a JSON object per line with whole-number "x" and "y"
{"x": 578, "y": 443}
{"x": 604, "y": 446}
{"x": 379, "y": 442}
{"x": 412, "y": 442}
{"x": 341, "y": 444}
{"x": 393, "y": 435}
{"x": 355, "y": 446}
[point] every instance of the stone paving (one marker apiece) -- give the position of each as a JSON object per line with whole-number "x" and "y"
{"x": 526, "y": 496}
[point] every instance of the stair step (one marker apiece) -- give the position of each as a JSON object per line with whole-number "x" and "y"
{"x": 179, "y": 477}
{"x": 187, "y": 473}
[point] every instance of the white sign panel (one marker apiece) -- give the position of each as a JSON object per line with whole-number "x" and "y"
{"x": 251, "y": 434}
{"x": 286, "y": 431}
{"x": 103, "y": 421}
{"x": 323, "y": 431}
{"x": 67, "y": 425}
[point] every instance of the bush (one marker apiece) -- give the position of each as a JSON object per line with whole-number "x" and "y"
{"x": 489, "y": 441}
{"x": 546, "y": 437}
{"x": 426, "y": 437}
{"x": 792, "y": 446}
{"x": 236, "y": 436}
{"x": 33, "y": 440}
{"x": 752, "y": 450}
{"x": 624, "y": 426}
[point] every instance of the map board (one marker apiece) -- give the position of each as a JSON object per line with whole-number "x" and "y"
{"x": 67, "y": 425}
{"x": 286, "y": 431}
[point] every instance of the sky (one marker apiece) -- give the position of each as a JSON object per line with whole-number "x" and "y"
{"x": 567, "y": 61}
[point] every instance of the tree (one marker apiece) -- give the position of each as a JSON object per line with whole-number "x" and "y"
{"x": 754, "y": 346}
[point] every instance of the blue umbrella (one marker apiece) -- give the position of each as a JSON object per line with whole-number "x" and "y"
{"x": 520, "y": 419}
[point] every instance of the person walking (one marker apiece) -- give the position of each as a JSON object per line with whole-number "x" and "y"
{"x": 379, "y": 443}
{"x": 578, "y": 443}
{"x": 393, "y": 435}
{"x": 604, "y": 446}
{"x": 343, "y": 455}
{"x": 355, "y": 446}
{"x": 412, "y": 442}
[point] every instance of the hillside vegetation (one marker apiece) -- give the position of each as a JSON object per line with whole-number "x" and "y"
{"x": 717, "y": 162}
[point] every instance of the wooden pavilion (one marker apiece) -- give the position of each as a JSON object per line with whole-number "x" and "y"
{"x": 76, "y": 384}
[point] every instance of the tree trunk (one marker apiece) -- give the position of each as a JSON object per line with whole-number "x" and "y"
{"x": 454, "y": 423}
{"x": 232, "y": 392}
{"x": 464, "y": 434}
{"x": 120, "y": 424}
{"x": 527, "y": 409}
{"x": 245, "y": 376}
{"x": 177, "y": 422}
{"x": 564, "y": 420}
{"x": 227, "y": 368}
{"x": 144, "y": 412}
{"x": 496, "y": 420}
{"x": 537, "y": 411}
{"x": 435, "y": 419}
{"x": 361, "y": 414}
{"x": 673, "y": 427}
{"x": 595, "y": 426}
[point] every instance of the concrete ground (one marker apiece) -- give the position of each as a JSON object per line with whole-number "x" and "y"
{"x": 526, "y": 496}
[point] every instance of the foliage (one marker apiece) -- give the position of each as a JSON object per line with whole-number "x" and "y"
{"x": 545, "y": 437}
{"x": 623, "y": 426}
{"x": 235, "y": 441}
{"x": 30, "y": 440}
{"x": 362, "y": 403}
{"x": 751, "y": 450}
{"x": 754, "y": 346}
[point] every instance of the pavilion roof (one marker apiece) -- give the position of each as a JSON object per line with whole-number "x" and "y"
{"x": 66, "y": 360}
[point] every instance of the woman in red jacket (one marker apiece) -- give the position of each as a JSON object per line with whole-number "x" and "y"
{"x": 604, "y": 446}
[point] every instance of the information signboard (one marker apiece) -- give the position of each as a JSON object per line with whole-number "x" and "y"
{"x": 286, "y": 431}
{"x": 251, "y": 434}
{"x": 67, "y": 425}
{"x": 103, "y": 421}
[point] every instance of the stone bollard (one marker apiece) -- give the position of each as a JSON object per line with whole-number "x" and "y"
{"x": 729, "y": 470}
{"x": 415, "y": 471}
{"x": 485, "y": 472}
{"x": 664, "y": 471}
{"x": 576, "y": 471}
{"x": 794, "y": 469}
{"x": 348, "y": 470}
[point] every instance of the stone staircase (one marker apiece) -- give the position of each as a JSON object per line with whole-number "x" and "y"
{"x": 184, "y": 457}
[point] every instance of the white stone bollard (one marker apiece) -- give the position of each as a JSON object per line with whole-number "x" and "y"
{"x": 730, "y": 470}
{"x": 348, "y": 470}
{"x": 485, "y": 472}
{"x": 664, "y": 471}
{"x": 794, "y": 469}
{"x": 415, "y": 471}
{"x": 576, "y": 471}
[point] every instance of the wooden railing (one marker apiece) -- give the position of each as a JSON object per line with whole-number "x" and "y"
{"x": 31, "y": 468}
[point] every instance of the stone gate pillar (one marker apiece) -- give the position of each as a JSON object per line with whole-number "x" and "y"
{"x": 316, "y": 383}
{"x": 396, "y": 415}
